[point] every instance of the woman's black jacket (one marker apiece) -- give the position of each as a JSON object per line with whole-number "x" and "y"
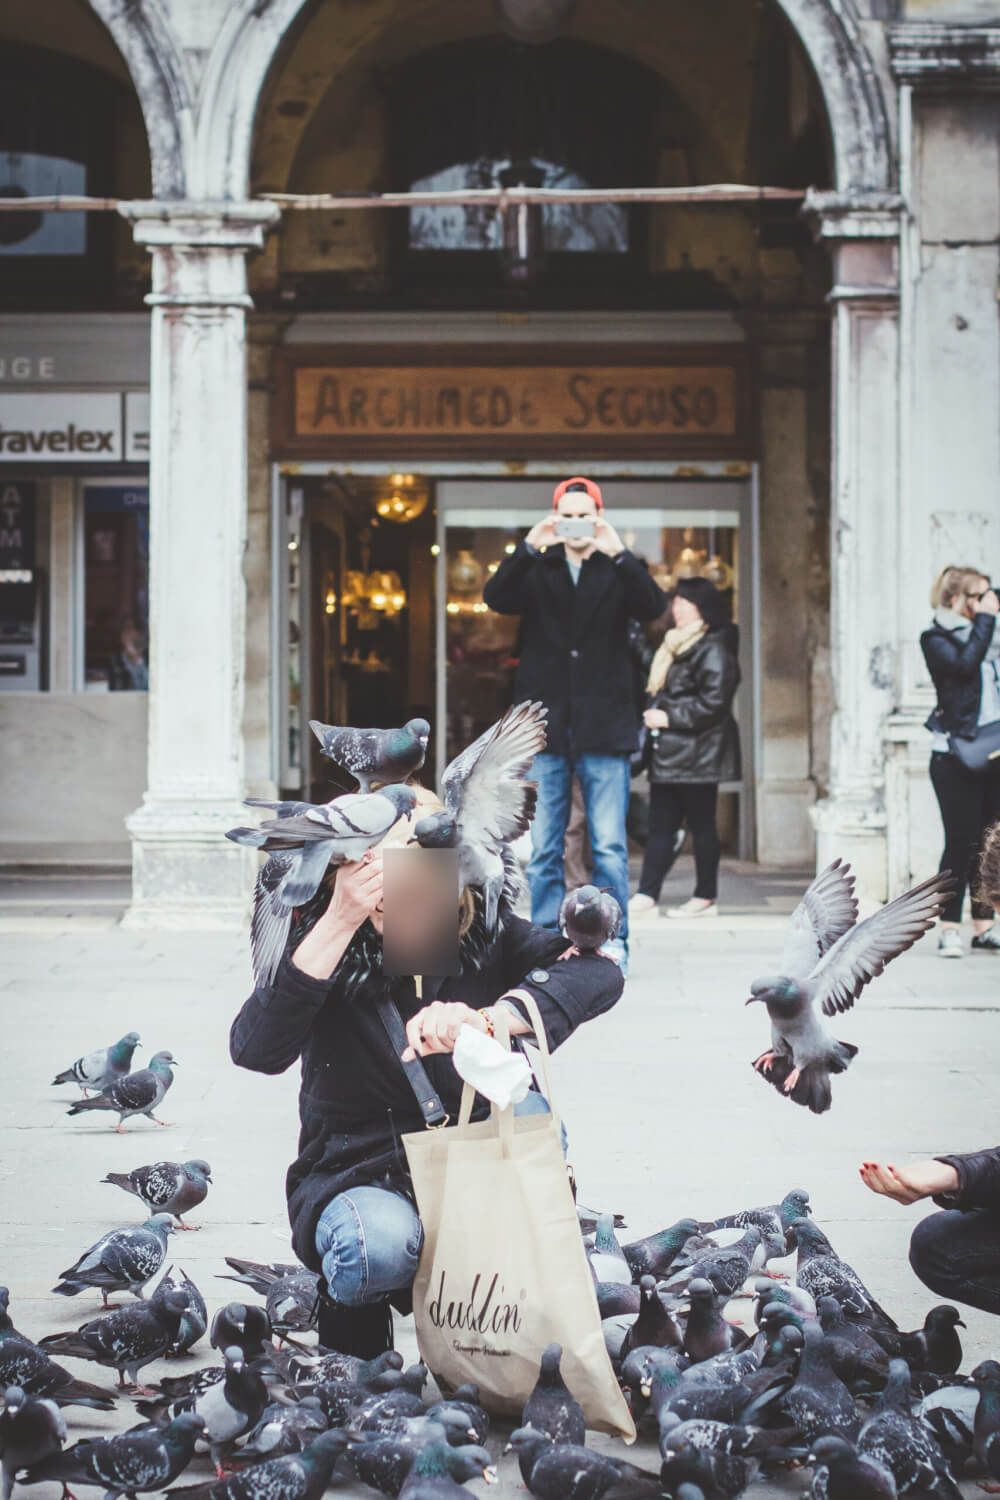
{"x": 701, "y": 742}
{"x": 954, "y": 664}
{"x": 978, "y": 1181}
{"x": 355, "y": 1098}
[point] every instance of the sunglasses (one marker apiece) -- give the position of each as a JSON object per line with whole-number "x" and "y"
{"x": 978, "y": 597}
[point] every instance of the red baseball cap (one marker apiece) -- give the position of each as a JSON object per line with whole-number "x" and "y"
{"x": 592, "y": 489}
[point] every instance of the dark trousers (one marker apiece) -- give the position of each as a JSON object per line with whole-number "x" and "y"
{"x": 969, "y": 803}
{"x": 958, "y": 1256}
{"x": 672, "y": 803}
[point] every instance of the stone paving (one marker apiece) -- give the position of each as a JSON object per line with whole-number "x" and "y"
{"x": 664, "y": 1114}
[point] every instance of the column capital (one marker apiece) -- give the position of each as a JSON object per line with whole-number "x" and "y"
{"x": 938, "y": 55}
{"x": 854, "y": 216}
{"x": 200, "y": 223}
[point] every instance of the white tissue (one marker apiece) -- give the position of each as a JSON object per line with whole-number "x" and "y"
{"x": 502, "y": 1077}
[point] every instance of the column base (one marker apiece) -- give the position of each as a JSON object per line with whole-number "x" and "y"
{"x": 186, "y": 875}
{"x": 853, "y": 827}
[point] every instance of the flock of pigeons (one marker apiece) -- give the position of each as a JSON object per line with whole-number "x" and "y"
{"x": 107, "y": 1081}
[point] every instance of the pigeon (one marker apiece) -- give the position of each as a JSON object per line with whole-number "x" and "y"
{"x": 345, "y": 1369}
{"x": 819, "y": 1402}
{"x": 566, "y": 1471}
{"x": 725, "y": 1266}
{"x": 827, "y": 962}
{"x": 137, "y": 1093}
{"x": 788, "y": 1296}
{"x": 127, "y": 1463}
{"x": 707, "y": 1332}
{"x": 283, "y": 1428}
{"x": 840, "y": 1473}
{"x": 439, "y": 1472}
{"x": 654, "y": 1255}
{"x": 902, "y": 1444}
{"x": 375, "y": 756}
{"x": 774, "y": 1220}
{"x": 950, "y": 1413}
{"x": 24, "y": 1364}
{"x": 616, "y": 1299}
{"x": 98, "y": 1070}
{"x": 244, "y": 1324}
{"x": 31, "y": 1429}
{"x": 654, "y": 1325}
{"x": 936, "y": 1346}
{"x": 291, "y": 1292}
{"x": 228, "y": 1407}
{"x": 588, "y": 1218}
{"x": 382, "y": 1460}
{"x": 168, "y": 1187}
{"x": 719, "y": 1475}
{"x": 194, "y": 1319}
{"x": 464, "y": 1401}
{"x": 488, "y": 803}
{"x": 673, "y": 1398}
{"x": 857, "y": 1357}
{"x": 607, "y": 1260}
{"x": 126, "y": 1338}
{"x": 589, "y": 918}
{"x": 297, "y": 1476}
{"x": 301, "y": 845}
{"x": 986, "y": 1424}
{"x": 123, "y": 1261}
{"x": 821, "y": 1272}
{"x": 552, "y": 1408}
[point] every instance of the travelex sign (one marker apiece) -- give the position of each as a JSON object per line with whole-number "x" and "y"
{"x": 73, "y": 427}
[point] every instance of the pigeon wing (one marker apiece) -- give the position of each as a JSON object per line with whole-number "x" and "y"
{"x": 135, "y": 1090}
{"x": 271, "y": 918}
{"x": 863, "y": 952}
{"x": 484, "y": 787}
{"x": 826, "y": 912}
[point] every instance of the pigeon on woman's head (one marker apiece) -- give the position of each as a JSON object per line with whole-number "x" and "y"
{"x": 375, "y": 756}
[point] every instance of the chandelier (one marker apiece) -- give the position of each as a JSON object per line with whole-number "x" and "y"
{"x": 369, "y": 594}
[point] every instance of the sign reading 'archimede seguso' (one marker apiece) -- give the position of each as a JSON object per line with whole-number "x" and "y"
{"x": 361, "y": 407}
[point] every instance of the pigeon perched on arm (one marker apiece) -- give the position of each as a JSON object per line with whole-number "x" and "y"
{"x": 98, "y": 1070}
{"x": 138, "y": 1093}
{"x": 552, "y": 1408}
{"x": 124, "y": 1339}
{"x": 194, "y": 1319}
{"x": 381, "y": 756}
{"x": 123, "y": 1261}
{"x": 128, "y": 1463}
{"x": 302, "y": 845}
{"x": 826, "y": 965}
{"x": 488, "y": 803}
{"x": 168, "y": 1187}
{"x": 589, "y": 918}
{"x": 31, "y": 1429}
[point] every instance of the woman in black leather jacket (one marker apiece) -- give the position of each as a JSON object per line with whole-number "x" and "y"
{"x": 962, "y": 652}
{"x": 696, "y": 745}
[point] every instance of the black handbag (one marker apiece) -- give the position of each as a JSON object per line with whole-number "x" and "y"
{"x": 980, "y": 754}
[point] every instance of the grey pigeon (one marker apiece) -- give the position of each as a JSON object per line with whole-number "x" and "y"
{"x": 31, "y": 1429}
{"x": 169, "y": 1187}
{"x": 384, "y": 1460}
{"x": 296, "y": 1476}
{"x": 302, "y": 846}
{"x": 841, "y": 1473}
{"x": 936, "y": 1346}
{"x": 194, "y": 1319}
{"x": 950, "y": 1413}
{"x": 122, "y": 1261}
{"x": 229, "y": 1407}
{"x": 654, "y": 1326}
{"x": 128, "y": 1463}
{"x": 791, "y": 1296}
{"x": 552, "y": 1408}
{"x": 98, "y": 1070}
{"x": 244, "y": 1324}
{"x": 725, "y": 1266}
{"x": 902, "y": 1443}
{"x": 589, "y": 918}
{"x": 567, "y": 1471}
{"x": 124, "y": 1339}
{"x": 819, "y": 1402}
{"x": 464, "y": 1401}
{"x": 347, "y": 1369}
{"x": 616, "y": 1299}
{"x": 488, "y": 803}
{"x": 708, "y": 1471}
{"x": 282, "y": 1428}
{"x": 821, "y": 1272}
{"x": 707, "y": 1332}
{"x": 655, "y": 1254}
{"x": 138, "y": 1093}
{"x": 774, "y": 1220}
{"x": 291, "y": 1291}
{"x": 588, "y": 1218}
{"x": 986, "y": 1423}
{"x": 24, "y": 1364}
{"x": 827, "y": 962}
{"x": 440, "y": 1472}
{"x": 375, "y": 756}
{"x": 606, "y": 1257}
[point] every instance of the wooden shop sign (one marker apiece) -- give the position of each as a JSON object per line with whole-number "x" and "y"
{"x": 683, "y": 402}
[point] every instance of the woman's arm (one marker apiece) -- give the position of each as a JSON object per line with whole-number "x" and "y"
{"x": 964, "y": 1182}
{"x": 718, "y": 679}
{"x": 945, "y": 655}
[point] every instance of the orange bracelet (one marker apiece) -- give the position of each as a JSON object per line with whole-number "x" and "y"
{"x": 490, "y": 1027}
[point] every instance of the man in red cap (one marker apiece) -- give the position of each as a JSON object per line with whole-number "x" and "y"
{"x": 576, "y": 585}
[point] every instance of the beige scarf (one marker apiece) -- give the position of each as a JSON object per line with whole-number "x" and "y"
{"x": 674, "y": 644}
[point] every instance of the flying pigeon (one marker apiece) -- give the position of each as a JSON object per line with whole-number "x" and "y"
{"x": 290, "y": 1290}
{"x": 589, "y": 918}
{"x": 168, "y": 1187}
{"x": 122, "y": 1261}
{"x": 375, "y": 756}
{"x": 488, "y": 803}
{"x": 903, "y": 1444}
{"x": 194, "y": 1320}
{"x": 137, "y": 1093}
{"x": 24, "y": 1364}
{"x": 127, "y": 1463}
{"x": 827, "y": 962}
{"x": 31, "y": 1429}
{"x": 302, "y": 843}
{"x": 552, "y": 1408}
{"x": 841, "y": 1473}
{"x": 124, "y": 1339}
{"x": 98, "y": 1070}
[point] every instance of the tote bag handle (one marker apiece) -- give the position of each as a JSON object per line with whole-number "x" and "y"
{"x": 505, "y": 1117}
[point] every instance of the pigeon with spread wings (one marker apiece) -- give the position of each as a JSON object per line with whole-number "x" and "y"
{"x": 828, "y": 960}
{"x": 488, "y": 803}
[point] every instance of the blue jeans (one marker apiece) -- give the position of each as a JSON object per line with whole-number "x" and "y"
{"x": 605, "y": 781}
{"x": 369, "y": 1239}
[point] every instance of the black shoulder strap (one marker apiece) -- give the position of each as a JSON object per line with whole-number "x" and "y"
{"x": 430, "y": 1105}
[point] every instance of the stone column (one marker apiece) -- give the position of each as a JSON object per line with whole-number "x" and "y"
{"x": 862, "y": 232}
{"x": 185, "y": 872}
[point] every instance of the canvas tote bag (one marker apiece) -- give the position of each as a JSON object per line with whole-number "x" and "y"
{"x": 503, "y": 1271}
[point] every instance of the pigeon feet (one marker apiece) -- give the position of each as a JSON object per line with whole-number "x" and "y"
{"x": 158, "y": 1121}
{"x": 181, "y": 1225}
{"x": 792, "y": 1080}
{"x": 774, "y": 1275}
{"x": 765, "y": 1062}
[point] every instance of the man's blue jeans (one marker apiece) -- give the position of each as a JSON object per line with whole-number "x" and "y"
{"x": 605, "y": 781}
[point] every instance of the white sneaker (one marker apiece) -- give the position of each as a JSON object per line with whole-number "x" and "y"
{"x": 950, "y": 944}
{"x": 640, "y": 905}
{"x": 694, "y": 908}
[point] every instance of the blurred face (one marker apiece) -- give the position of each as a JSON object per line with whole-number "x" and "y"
{"x": 418, "y": 916}
{"x": 966, "y": 602}
{"x": 685, "y": 613}
{"x": 577, "y": 506}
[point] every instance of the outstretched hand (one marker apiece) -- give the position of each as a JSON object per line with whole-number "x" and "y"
{"x": 906, "y": 1185}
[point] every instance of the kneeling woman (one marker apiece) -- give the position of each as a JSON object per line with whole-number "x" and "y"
{"x": 350, "y": 1199}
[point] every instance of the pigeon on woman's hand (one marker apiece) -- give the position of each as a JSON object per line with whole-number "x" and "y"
{"x": 98, "y": 1070}
{"x": 31, "y": 1429}
{"x": 122, "y": 1261}
{"x": 302, "y": 846}
{"x": 375, "y": 756}
{"x": 168, "y": 1187}
{"x": 127, "y": 1463}
{"x": 589, "y": 917}
{"x": 194, "y": 1320}
{"x": 488, "y": 803}
{"x": 138, "y": 1093}
{"x": 828, "y": 960}
{"x": 124, "y": 1339}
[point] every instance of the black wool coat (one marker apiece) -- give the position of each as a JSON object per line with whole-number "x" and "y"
{"x": 355, "y": 1099}
{"x": 701, "y": 742}
{"x": 954, "y": 665}
{"x": 575, "y": 655}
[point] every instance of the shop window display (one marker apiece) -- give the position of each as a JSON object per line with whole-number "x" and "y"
{"x": 116, "y": 588}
